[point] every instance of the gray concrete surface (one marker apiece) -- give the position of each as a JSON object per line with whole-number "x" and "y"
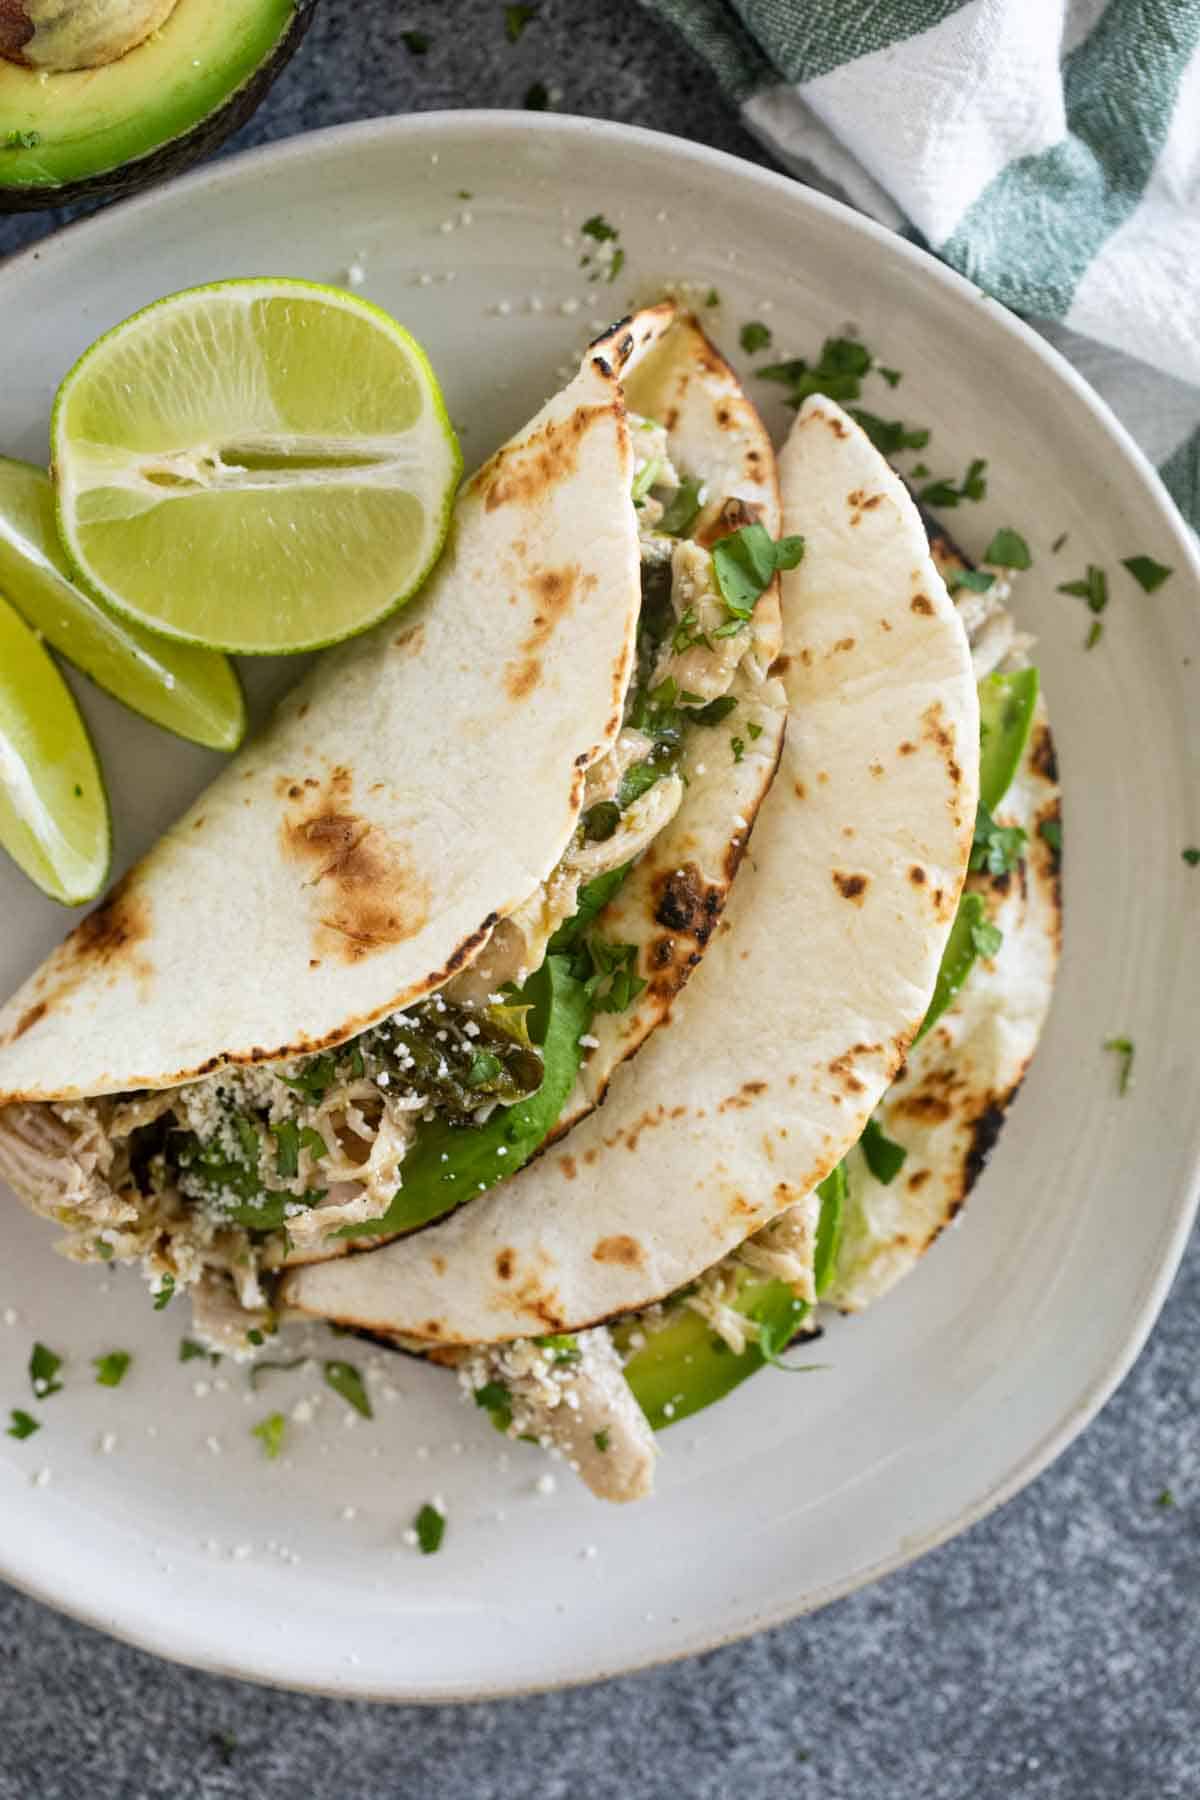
{"x": 1052, "y": 1652}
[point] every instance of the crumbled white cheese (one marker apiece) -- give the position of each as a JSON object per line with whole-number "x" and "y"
{"x": 545, "y": 1484}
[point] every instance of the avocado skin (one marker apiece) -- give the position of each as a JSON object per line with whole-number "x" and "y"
{"x": 177, "y": 154}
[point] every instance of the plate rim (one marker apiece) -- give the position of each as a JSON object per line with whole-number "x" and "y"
{"x": 313, "y": 145}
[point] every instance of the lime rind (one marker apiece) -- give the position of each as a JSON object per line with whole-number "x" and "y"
{"x": 194, "y": 693}
{"x": 55, "y": 820}
{"x": 434, "y": 432}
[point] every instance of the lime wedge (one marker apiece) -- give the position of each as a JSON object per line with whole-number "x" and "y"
{"x": 53, "y": 808}
{"x": 191, "y": 692}
{"x": 262, "y": 466}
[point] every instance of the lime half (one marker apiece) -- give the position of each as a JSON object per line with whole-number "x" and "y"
{"x": 262, "y": 466}
{"x": 53, "y": 808}
{"x": 192, "y": 692}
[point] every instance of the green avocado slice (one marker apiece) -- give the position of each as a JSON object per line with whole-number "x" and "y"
{"x": 112, "y": 129}
{"x": 684, "y": 1366}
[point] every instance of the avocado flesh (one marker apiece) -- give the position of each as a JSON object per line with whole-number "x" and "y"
{"x": 92, "y": 131}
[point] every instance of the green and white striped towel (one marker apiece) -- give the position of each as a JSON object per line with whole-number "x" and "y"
{"x": 1049, "y": 150}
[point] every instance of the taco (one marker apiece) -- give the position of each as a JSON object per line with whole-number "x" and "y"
{"x": 422, "y": 908}
{"x": 706, "y": 1195}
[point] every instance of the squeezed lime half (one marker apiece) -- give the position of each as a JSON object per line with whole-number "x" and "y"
{"x": 262, "y": 466}
{"x": 192, "y": 692}
{"x": 54, "y": 819}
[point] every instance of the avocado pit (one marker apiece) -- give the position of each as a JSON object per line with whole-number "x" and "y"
{"x": 57, "y": 36}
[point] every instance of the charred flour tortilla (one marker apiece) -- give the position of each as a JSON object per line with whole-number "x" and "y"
{"x": 271, "y": 1161}
{"x": 820, "y": 975}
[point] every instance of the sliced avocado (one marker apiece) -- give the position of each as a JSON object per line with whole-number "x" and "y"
{"x": 81, "y": 133}
{"x": 684, "y": 1365}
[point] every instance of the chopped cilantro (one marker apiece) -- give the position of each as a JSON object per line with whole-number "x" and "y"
{"x": 516, "y": 18}
{"x": 738, "y": 747}
{"x": 1095, "y": 630}
{"x": 944, "y": 493}
{"x": 415, "y": 42}
{"x": 225, "y": 1744}
{"x": 599, "y": 229}
{"x": 614, "y": 983}
{"x": 314, "y": 1077}
{"x": 714, "y": 711}
{"x": 1123, "y": 1048}
{"x": 755, "y": 336}
{"x": 885, "y": 1157}
{"x": 287, "y": 1148}
{"x": 838, "y": 372}
{"x": 637, "y": 780}
{"x": 23, "y": 1424}
{"x": 465, "y": 194}
{"x": 1165, "y": 1499}
{"x": 270, "y": 1433}
{"x": 562, "y": 1345}
{"x": 1146, "y": 572}
{"x": 744, "y": 564}
{"x": 103, "y": 1251}
{"x": 919, "y": 471}
{"x": 537, "y": 97}
{"x": 1092, "y": 587}
{"x": 484, "y": 1067}
{"x": 496, "y": 1401}
{"x": 1008, "y": 550}
{"x": 996, "y": 848}
{"x": 1058, "y": 543}
{"x": 893, "y": 377}
{"x": 591, "y": 900}
{"x": 43, "y": 1370}
{"x": 254, "y": 1336}
{"x": 616, "y": 265}
{"x": 1050, "y": 831}
{"x": 189, "y": 1350}
{"x": 345, "y": 1380}
{"x": 712, "y": 298}
{"x": 978, "y": 580}
{"x": 602, "y": 1439}
{"x": 681, "y": 510}
{"x": 1191, "y": 856}
{"x": 111, "y": 1369}
{"x": 753, "y": 729}
{"x": 986, "y": 937}
{"x": 22, "y": 140}
{"x": 890, "y": 436}
{"x": 430, "y": 1527}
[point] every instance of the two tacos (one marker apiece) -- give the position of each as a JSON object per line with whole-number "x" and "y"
{"x": 487, "y": 853}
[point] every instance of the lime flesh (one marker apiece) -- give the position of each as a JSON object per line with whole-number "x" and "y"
{"x": 261, "y": 466}
{"x": 54, "y": 819}
{"x": 194, "y": 693}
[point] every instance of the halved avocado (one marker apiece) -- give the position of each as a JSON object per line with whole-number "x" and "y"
{"x": 134, "y": 114}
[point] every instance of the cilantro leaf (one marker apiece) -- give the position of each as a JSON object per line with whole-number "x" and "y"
{"x": 1095, "y": 629}
{"x": 591, "y": 900}
{"x": 273, "y": 1368}
{"x": 43, "y": 1370}
{"x": 714, "y": 711}
{"x": 602, "y": 1439}
{"x": 1146, "y": 572}
{"x": 516, "y": 18}
{"x": 978, "y": 580}
{"x": 893, "y": 377}
{"x": 986, "y": 937}
{"x": 1008, "y": 550}
{"x": 996, "y": 848}
{"x": 1123, "y": 1048}
{"x": 1191, "y": 856}
{"x": 884, "y": 1156}
{"x": 537, "y": 97}
{"x": 1050, "y": 831}
{"x": 270, "y": 1433}
{"x": 838, "y": 373}
{"x": 430, "y": 1527}
{"x": 599, "y": 229}
{"x": 890, "y": 436}
{"x": 755, "y": 336}
{"x": 943, "y": 493}
{"x": 415, "y": 42}
{"x": 1092, "y": 587}
{"x": 287, "y": 1148}
{"x": 345, "y": 1380}
{"x": 614, "y": 983}
{"x": 496, "y": 1401}
{"x": 737, "y": 748}
{"x": 637, "y": 780}
{"x": 971, "y": 936}
{"x": 111, "y": 1369}
{"x": 745, "y": 562}
{"x": 712, "y": 298}
{"x": 23, "y": 1424}
{"x": 189, "y": 1350}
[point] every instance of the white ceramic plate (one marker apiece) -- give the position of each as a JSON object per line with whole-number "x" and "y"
{"x": 966, "y": 1381}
